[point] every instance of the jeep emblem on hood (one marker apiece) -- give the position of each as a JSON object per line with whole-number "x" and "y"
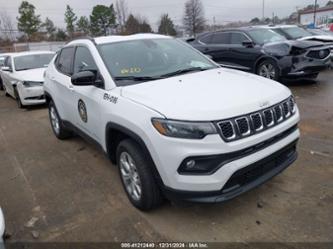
{"x": 263, "y": 104}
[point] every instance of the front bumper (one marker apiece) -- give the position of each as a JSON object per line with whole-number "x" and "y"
{"x": 302, "y": 66}
{"x": 31, "y": 95}
{"x": 242, "y": 180}
{"x": 169, "y": 153}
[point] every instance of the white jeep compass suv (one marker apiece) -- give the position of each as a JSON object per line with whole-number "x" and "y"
{"x": 176, "y": 124}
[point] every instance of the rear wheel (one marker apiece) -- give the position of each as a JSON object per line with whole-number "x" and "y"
{"x": 268, "y": 69}
{"x": 56, "y": 123}
{"x": 137, "y": 177}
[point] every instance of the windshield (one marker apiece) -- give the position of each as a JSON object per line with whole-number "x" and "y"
{"x": 296, "y": 32}
{"x": 263, "y": 36}
{"x": 27, "y": 62}
{"x": 132, "y": 61}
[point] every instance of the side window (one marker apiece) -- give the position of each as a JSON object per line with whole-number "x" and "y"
{"x": 65, "y": 60}
{"x": 84, "y": 61}
{"x": 206, "y": 39}
{"x": 2, "y": 61}
{"x": 238, "y": 38}
{"x": 8, "y": 62}
{"x": 221, "y": 38}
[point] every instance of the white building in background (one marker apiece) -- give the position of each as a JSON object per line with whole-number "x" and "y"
{"x": 322, "y": 16}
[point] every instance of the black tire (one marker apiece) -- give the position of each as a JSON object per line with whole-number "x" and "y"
{"x": 61, "y": 132}
{"x": 151, "y": 196}
{"x": 18, "y": 99}
{"x": 264, "y": 69}
{"x": 313, "y": 76}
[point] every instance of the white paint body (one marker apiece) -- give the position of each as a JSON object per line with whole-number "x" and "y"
{"x": 2, "y": 228}
{"x": 211, "y": 95}
{"x": 16, "y": 78}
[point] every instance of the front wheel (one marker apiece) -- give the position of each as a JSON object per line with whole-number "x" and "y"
{"x": 56, "y": 123}
{"x": 137, "y": 177}
{"x": 268, "y": 69}
{"x": 18, "y": 99}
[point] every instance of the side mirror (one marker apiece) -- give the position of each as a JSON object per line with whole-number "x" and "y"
{"x": 6, "y": 69}
{"x": 248, "y": 44}
{"x": 86, "y": 78}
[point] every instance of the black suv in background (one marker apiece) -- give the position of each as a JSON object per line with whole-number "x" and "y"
{"x": 264, "y": 52}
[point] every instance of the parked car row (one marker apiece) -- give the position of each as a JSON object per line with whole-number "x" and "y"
{"x": 21, "y": 76}
{"x": 278, "y": 52}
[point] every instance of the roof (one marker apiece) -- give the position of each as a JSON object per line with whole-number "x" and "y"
{"x": 31, "y": 53}
{"x": 120, "y": 38}
{"x": 322, "y": 9}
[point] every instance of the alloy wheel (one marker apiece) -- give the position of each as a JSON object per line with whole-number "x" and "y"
{"x": 267, "y": 70}
{"x": 130, "y": 176}
{"x": 54, "y": 120}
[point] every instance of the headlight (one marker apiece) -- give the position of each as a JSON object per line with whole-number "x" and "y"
{"x": 32, "y": 83}
{"x": 183, "y": 129}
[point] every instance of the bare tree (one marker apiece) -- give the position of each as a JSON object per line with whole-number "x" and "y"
{"x": 121, "y": 13}
{"x": 6, "y": 26}
{"x": 194, "y": 19}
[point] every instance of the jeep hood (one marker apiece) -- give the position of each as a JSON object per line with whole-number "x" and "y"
{"x": 31, "y": 75}
{"x": 209, "y": 95}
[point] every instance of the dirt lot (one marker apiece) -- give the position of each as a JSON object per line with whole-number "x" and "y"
{"x": 52, "y": 190}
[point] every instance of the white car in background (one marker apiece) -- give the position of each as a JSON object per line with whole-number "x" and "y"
{"x": 2, "y": 229}
{"x": 2, "y": 62}
{"x": 22, "y": 76}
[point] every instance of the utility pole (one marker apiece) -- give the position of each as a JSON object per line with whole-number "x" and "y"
{"x": 315, "y": 14}
{"x": 214, "y": 24}
{"x": 263, "y": 9}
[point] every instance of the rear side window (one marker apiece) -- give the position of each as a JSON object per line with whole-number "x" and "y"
{"x": 221, "y": 38}
{"x": 206, "y": 39}
{"x": 238, "y": 38}
{"x": 84, "y": 61}
{"x": 64, "y": 61}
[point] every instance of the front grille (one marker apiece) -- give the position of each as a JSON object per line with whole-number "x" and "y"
{"x": 286, "y": 112}
{"x": 227, "y": 129}
{"x": 269, "y": 119}
{"x": 253, "y": 123}
{"x": 251, "y": 173}
{"x": 278, "y": 113}
{"x": 243, "y": 126}
{"x": 319, "y": 54}
{"x": 257, "y": 122}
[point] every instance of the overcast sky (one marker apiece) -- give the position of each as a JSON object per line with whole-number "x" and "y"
{"x": 223, "y": 10}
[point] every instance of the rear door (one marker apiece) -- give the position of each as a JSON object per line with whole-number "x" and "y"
{"x": 218, "y": 47}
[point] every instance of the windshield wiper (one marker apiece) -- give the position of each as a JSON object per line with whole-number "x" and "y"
{"x": 137, "y": 78}
{"x": 183, "y": 71}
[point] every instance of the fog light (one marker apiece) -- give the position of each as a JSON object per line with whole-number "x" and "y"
{"x": 190, "y": 164}
{"x": 201, "y": 165}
